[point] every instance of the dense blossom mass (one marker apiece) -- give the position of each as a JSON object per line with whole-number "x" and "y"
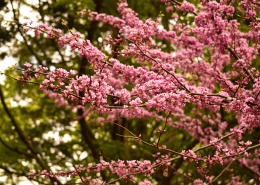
{"x": 212, "y": 66}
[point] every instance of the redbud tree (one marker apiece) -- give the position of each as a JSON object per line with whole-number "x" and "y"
{"x": 198, "y": 77}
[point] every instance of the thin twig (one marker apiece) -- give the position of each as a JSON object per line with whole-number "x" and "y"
{"x": 244, "y": 68}
{"x": 82, "y": 180}
{"x": 165, "y": 70}
{"x": 163, "y": 130}
{"x": 209, "y": 145}
{"x": 153, "y": 145}
{"x": 222, "y": 172}
{"x": 241, "y": 153}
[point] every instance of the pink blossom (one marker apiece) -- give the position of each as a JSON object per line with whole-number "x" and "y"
{"x": 145, "y": 183}
{"x": 188, "y": 7}
{"x": 206, "y": 85}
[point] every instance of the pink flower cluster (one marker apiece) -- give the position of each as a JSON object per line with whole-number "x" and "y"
{"x": 187, "y": 7}
{"x": 209, "y": 71}
{"x": 122, "y": 169}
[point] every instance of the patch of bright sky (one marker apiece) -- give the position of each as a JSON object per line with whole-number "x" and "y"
{"x": 5, "y": 64}
{"x": 23, "y": 180}
{"x": 27, "y": 13}
{"x": 26, "y": 183}
{"x": 8, "y": 17}
{"x": 55, "y": 136}
{"x": 3, "y": 178}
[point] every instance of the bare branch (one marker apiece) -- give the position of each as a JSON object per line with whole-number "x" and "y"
{"x": 221, "y": 173}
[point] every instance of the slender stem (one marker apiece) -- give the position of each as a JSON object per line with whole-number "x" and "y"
{"x": 165, "y": 70}
{"x": 241, "y": 153}
{"x": 209, "y": 145}
{"x": 82, "y": 180}
{"x": 244, "y": 68}
{"x": 221, "y": 173}
{"x": 153, "y": 145}
{"x": 163, "y": 130}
